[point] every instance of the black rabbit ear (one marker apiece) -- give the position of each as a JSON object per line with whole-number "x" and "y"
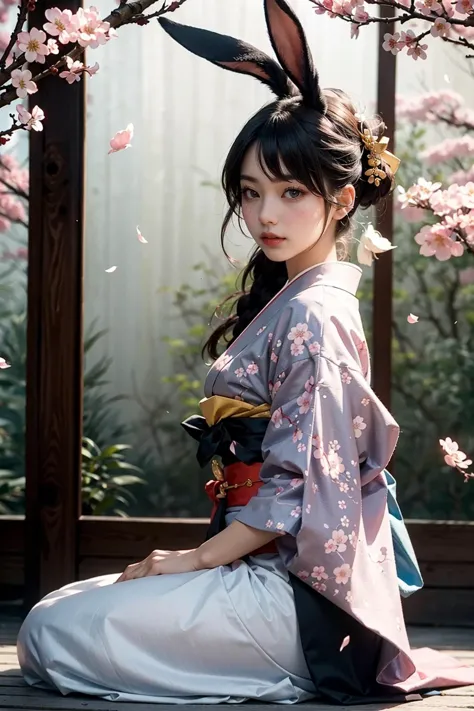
{"x": 232, "y": 54}
{"x": 289, "y": 43}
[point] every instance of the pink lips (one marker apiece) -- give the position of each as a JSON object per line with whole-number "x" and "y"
{"x": 271, "y": 240}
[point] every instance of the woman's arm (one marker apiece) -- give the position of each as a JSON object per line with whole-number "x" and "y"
{"x": 234, "y": 542}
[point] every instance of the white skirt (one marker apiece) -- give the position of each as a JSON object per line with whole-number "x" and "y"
{"x": 224, "y": 635}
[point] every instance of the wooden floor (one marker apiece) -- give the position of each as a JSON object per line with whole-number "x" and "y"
{"x": 15, "y": 694}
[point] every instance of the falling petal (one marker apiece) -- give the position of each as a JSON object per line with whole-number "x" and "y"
{"x": 4, "y": 364}
{"x": 232, "y": 447}
{"x": 345, "y": 642}
{"x": 411, "y": 318}
{"x": 447, "y": 79}
{"x": 110, "y": 270}
{"x": 141, "y": 237}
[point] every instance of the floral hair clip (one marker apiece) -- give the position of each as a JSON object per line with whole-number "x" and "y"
{"x": 377, "y": 150}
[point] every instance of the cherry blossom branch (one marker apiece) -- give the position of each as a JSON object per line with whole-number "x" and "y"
{"x": 455, "y": 458}
{"x": 126, "y": 13}
{"x": 21, "y": 19}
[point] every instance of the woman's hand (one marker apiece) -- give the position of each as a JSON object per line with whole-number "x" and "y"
{"x": 161, "y": 562}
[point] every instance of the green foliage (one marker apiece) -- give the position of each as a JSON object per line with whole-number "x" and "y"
{"x": 104, "y": 485}
{"x": 104, "y": 481}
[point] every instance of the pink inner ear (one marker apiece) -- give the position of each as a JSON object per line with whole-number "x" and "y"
{"x": 247, "y": 68}
{"x": 287, "y": 39}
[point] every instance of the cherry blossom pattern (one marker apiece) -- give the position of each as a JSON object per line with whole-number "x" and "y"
{"x": 222, "y": 362}
{"x": 359, "y": 426}
{"x": 299, "y": 335}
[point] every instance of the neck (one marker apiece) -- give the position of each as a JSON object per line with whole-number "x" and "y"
{"x": 323, "y": 251}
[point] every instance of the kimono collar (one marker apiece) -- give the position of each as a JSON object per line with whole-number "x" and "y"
{"x": 342, "y": 275}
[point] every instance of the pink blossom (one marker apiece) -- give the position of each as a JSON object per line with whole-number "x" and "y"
{"x": 330, "y": 546}
{"x": 297, "y": 435}
{"x": 354, "y": 30}
{"x": 4, "y": 364}
{"x": 343, "y": 574}
{"x": 52, "y": 46}
{"x": 73, "y": 72}
{"x": 342, "y": 504}
{"x": 461, "y": 177}
{"x": 296, "y": 512}
{"x": 122, "y": 139}
{"x": 21, "y": 81}
{"x": 411, "y": 318}
{"x": 428, "y": 7}
{"x": 303, "y": 574}
{"x": 252, "y": 368}
{"x": 448, "y": 149}
{"x": 304, "y": 402}
{"x": 440, "y": 27}
{"x": 407, "y": 39}
{"x": 59, "y": 24}
{"x": 359, "y": 426}
{"x": 300, "y": 333}
{"x": 90, "y": 30}
{"x": 465, "y": 7}
{"x": 33, "y": 45}
{"x": 33, "y": 120}
{"x": 436, "y": 241}
{"x": 319, "y": 573}
{"x": 340, "y": 539}
{"x": 319, "y": 587}
{"x": 417, "y": 51}
{"x": 277, "y": 418}
{"x": 360, "y": 15}
{"x": 391, "y": 42}
{"x": 145, "y": 241}
{"x": 454, "y": 457}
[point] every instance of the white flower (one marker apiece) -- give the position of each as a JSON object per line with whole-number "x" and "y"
{"x": 21, "y": 81}
{"x": 372, "y": 243}
{"x": 33, "y": 120}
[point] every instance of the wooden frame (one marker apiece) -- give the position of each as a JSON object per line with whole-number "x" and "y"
{"x": 53, "y": 542}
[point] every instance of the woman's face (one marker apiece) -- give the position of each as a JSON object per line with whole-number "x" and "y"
{"x": 287, "y": 222}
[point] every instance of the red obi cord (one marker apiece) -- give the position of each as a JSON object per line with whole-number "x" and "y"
{"x": 239, "y": 484}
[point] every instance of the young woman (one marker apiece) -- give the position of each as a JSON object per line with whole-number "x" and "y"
{"x": 295, "y": 594}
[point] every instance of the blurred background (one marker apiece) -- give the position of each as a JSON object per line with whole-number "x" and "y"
{"x": 145, "y": 322}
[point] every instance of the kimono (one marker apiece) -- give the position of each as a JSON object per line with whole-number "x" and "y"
{"x": 320, "y": 615}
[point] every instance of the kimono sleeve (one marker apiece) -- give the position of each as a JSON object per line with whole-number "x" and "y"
{"x": 286, "y": 450}
{"x": 328, "y": 437}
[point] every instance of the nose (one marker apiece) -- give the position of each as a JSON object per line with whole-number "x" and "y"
{"x": 267, "y": 215}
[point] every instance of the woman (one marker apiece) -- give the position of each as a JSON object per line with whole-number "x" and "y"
{"x": 295, "y": 594}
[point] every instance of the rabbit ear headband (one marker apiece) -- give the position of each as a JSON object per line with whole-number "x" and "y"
{"x": 295, "y": 73}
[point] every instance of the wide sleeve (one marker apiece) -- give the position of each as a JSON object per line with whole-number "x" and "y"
{"x": 328, "y": 438}
{"x": 286, "y": 451}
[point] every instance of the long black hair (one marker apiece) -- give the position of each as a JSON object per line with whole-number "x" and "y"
{"x": 322, "y": 151}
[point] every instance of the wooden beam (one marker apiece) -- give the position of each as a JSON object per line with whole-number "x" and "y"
{"x": 54, "y": 341}
{"x": 383, "y": 269}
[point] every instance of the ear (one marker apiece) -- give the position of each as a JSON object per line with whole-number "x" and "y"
{"x": 289, "y": 43}
{"x": 346, "y": 200}
{"x": 231, "y": 53}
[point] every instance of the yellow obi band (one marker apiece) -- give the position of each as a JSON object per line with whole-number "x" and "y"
{"x": 218, "y": 407}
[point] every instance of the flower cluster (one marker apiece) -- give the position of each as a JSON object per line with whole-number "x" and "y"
{"x": 455, "y": 206}
{"x": 439, "y": 16}
{"x": 455, "y": 458}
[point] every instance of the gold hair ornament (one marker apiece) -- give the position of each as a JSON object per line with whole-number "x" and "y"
{"x": 377, "y": 150}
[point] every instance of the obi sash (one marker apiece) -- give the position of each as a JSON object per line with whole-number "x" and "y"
{"x": 233, "y": 430}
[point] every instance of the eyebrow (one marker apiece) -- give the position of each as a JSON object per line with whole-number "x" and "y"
{"x": 251, "y": 179}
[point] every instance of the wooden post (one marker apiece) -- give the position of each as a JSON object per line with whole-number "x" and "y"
{"x": 54, "y": 341}
{"x": 383, "y": 270}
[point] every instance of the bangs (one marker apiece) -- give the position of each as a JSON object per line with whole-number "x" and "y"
{"x": 284, "y": 153}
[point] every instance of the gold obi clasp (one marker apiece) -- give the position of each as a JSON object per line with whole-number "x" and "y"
{"x": 224, "y": 486}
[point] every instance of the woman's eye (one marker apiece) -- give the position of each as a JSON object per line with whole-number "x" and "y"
{"x": 248, "y": 193}
{"x": 294, "y": 193}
